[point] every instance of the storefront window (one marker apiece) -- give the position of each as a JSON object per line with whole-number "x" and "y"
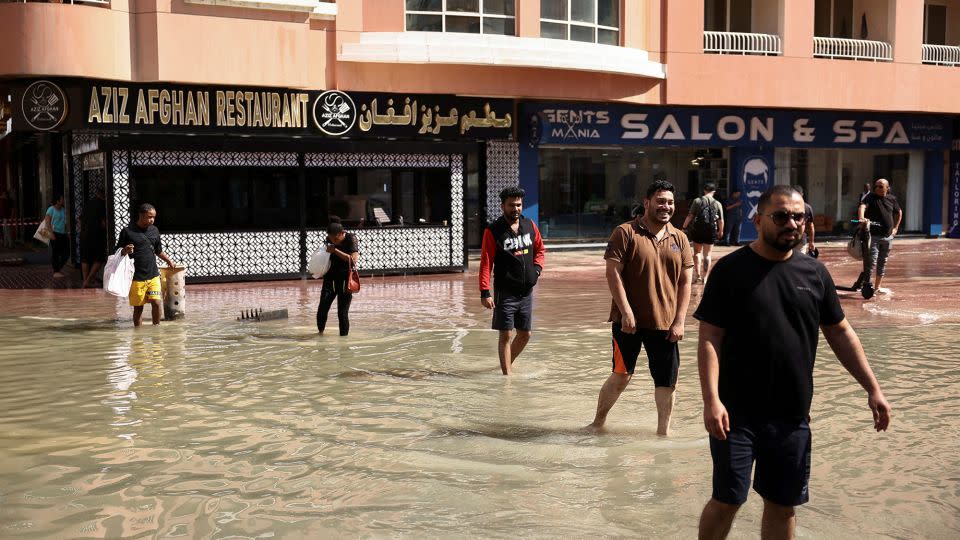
{"x": 834, "y": 180}
{"x": 219, "y": 198}
{"x": 378, "y": 197}
{"x": 586, "y": 192}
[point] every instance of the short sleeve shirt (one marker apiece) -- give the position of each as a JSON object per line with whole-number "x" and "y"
{"x": 58, "y": 219}
{"x": 700, "y": 201}
{"x": 146, "y": 247}
{"x": 339, "y": 268}
{"x": 771, "y": 313}
{"x": 881, "y": 210}
{"x": 651, "y": 272}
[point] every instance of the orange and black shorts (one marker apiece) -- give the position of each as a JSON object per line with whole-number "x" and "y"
{"x": 663, "y": 355}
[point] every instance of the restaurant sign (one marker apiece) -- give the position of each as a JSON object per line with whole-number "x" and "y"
{"x": 257, "y": 111}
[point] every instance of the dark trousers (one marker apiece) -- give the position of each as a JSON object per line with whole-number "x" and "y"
{"x": 334, "y": 289}
{"x": 732, "y": 237}
{"x": 61, "y": 251}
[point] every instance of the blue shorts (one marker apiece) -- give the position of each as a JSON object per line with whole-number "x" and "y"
{"x": 512, "y": 311}
{"x": 663, "y": 355}
{"x": 781, "y": 449}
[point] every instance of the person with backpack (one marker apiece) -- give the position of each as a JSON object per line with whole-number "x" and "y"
{"x": 704, "y": 225}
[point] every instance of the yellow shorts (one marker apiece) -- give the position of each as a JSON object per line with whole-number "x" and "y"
{"x": 142, "y": 292}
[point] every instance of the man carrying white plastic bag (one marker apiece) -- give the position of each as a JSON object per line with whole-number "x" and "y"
{"x": 141, "y": 240}
{"x": 118, "y": 274}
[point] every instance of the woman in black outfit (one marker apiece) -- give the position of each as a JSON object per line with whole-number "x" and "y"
{"x": 342, "y": 247}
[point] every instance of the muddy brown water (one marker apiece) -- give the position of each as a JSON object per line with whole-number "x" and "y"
{"x": 213, "y": 428}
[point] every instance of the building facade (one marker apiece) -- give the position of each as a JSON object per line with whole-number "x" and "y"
{"x": 249, "y": 123}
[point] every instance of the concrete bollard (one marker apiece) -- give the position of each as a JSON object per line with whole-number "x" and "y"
{"x": 174, "y": 286}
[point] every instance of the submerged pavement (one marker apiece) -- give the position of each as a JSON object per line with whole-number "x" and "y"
{"x": 922, "y": 274}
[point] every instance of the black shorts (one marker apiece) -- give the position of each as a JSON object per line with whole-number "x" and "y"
{"x": 703, "y": 238}
{"x": 782, "y": 452}
{"x": 512, "y": 311}
{"x": 663, "y": 355}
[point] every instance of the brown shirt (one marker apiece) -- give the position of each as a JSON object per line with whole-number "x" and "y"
{"x": 651, "y": 271}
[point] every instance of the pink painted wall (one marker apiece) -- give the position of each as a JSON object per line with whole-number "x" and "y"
{"x": 187, "y": 43}
{"x": 796, "y": 79}
{"x": 66, "y": 40}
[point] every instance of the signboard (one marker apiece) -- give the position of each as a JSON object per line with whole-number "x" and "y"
{"x": 752, "y": 174}
{"x": 953, "y": 206}
{"x": 602, "y": 124}
{"x": 169, "y": 108}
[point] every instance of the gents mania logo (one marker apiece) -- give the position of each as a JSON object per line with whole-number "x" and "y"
{"x": 44, "y": 105}
{"x": 334, "y": 113}
{"x": 575, "y": 124}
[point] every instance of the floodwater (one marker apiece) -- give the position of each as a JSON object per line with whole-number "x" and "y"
{"x": 213, "y": 428}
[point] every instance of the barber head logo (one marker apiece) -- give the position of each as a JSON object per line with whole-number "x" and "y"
{"x": 44, "y": 105}
{"x": 334, "y": 113}
{"x": 756, "y": 177}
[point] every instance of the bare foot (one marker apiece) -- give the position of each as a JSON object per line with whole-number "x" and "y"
{"x": 57, "y": 275}
{"x": 594, "y": 428}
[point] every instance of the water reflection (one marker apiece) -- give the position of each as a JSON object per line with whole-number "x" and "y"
{"x": 212, "y": 428}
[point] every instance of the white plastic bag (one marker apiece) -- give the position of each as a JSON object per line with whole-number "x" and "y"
{"x": 855, "y": 246}
{"x": 44, "y": 234}
{"x": 319, "y": 263}
{"x": 118, "y": 274}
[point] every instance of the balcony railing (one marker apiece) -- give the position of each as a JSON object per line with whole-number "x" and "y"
{"x": 942, "y": 55}
{"x": 852, "y": 49}
{"x": 741, "y": 43}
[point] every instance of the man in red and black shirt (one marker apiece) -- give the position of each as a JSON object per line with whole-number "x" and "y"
{"x": 512, "y": 246}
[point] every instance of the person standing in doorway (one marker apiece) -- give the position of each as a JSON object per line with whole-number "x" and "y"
{"x": 513, "y": 249}
{"x": 882, "y": 209}
{"x": 649, "y": 271}
{"x": 141, "y": 241}
{"x": 93, "y": 237}
{"x": 704, "y": 224}
{"x": 344, "y": 253}
{"x": 56, "y": 218}
{"x": 760, "y": 318}
{"x": 733, "y": 215}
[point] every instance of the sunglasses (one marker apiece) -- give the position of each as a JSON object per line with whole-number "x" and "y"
{"x": 781, "y": 217}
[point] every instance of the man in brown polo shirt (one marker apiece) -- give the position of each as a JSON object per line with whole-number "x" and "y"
{"x": 649, "y": 272}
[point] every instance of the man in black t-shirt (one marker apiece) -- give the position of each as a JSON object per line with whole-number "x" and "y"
{"x": 880, "y": 208}
{"x": 141, "y": 240}
{"x": 760, "y": 317}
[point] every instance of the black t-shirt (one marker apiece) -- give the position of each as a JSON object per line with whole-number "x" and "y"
{"x": 882, "y": 210}
{"x": 771, "y": 313}
{"x": 146, "y": 247}
{"x": 339, "y": 268}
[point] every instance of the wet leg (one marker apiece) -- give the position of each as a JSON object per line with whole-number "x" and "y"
{"x": 716, "y": 520}
{"x": 519, "y": 342}
{"x": 343, "y": 312}
{"x": 137, "y": 315}
{"x": 506, "y": 352}
{"x": 327, "y": 294}
{"x": 664, "y": 396}
{"x": 778, "y": 521}
{"x": 155, "y": 312}
{"x": 615, "y": 384}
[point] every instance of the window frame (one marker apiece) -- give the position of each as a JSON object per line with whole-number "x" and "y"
{"x": 595, "y": 26}
{"x": 444, "y": 13}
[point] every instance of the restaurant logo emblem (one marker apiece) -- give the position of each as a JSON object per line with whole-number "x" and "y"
{"x": 44, "y": 105}
{"x": 334, "y": 113}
